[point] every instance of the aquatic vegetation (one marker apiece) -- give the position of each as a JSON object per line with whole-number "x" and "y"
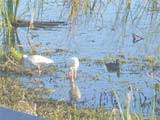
{"x": 77, "y": 7}
{"x": 85, "y": 59}
{"x": 105, "y": 60}
{"x": 150, "y": 59}
{"x": 157, "y": 87}
{"x": 96, "y": 77}
{"x": 16, "y": 55}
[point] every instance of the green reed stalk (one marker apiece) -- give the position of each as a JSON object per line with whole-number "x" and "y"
{"x": 153, "y": 117}
{"x": 119, "y": 105}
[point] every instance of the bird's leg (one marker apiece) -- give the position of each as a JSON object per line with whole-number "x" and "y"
{"x": 39, "y": 70}
{"x": 72, "y": 74}
{"x": 75, "y": 74}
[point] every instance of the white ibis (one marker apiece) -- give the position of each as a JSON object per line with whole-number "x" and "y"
{"x": 36, "y": 62}
{"x": 75, "y": 93}
{"x": 73, "y": 64}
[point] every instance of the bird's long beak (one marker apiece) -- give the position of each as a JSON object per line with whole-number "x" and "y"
{"x": 75, "y": 74}
{"x": 72, "y": 75}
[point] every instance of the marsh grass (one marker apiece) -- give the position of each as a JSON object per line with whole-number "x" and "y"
{"x": 153, "y": 116}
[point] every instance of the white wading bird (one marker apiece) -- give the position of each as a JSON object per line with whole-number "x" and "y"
{"x": 75, "y": 93}
{"x": 36, "y": 62}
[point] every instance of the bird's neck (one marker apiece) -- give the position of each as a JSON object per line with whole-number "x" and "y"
{"x": 73, "y": 84}
{"x": 73, "y": 76}
{"x": 73, "y": 73}
{"x": 73, "y": 68}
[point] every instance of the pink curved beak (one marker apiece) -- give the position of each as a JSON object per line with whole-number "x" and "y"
{"x": 72, "y": 75}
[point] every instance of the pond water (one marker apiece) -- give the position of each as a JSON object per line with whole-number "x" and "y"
{"x": 95, "y": 37}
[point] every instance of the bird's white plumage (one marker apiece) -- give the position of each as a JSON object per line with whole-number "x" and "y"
{"x": 73, "y": 62}
{"x": 36, "y": 61}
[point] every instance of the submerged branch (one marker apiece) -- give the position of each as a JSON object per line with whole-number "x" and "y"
{"x": 38, "y": 24}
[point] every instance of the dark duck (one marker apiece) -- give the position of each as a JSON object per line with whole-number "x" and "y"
{"x": 113, "y": 67}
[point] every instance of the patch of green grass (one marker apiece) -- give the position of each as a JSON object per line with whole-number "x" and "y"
{"x": 150, "y": 59}
{"x": 105, "y": 60}
{"x": 85, "y": 59}
{"x": 16, "y": 54}
{"x": 111, "y": 58}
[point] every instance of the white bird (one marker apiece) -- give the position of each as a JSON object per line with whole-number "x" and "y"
{"x": 73, "y": 64}
{"x": 75, "y": 93}
{"x": 36, "y": 62}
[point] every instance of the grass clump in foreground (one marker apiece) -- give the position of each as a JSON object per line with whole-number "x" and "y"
{"x": 14, "y": 96}
{"x": 31, "y": 100}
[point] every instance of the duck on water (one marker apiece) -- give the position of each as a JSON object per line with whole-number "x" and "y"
{"x": 113, "y": 67}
